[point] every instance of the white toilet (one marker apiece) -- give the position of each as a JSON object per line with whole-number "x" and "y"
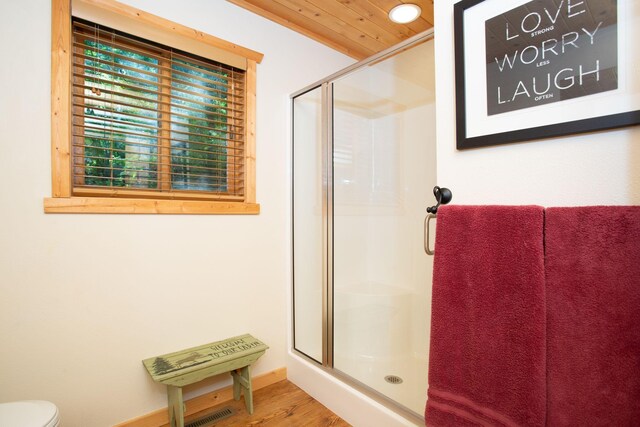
{"x": 29, "y": 413}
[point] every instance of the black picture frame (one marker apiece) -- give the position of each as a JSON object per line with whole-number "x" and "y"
{"x": 463, "y": 141}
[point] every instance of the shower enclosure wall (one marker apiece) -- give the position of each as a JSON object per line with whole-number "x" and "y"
{"x": 363, "y": 172}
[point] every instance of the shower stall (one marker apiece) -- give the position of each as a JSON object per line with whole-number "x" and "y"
{"x": 363, "y": 174}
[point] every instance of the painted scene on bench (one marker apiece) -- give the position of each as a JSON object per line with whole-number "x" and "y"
{"x": 236, "y": 347}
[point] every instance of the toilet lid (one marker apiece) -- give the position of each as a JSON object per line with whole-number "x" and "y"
{"x": 28, "y": 413}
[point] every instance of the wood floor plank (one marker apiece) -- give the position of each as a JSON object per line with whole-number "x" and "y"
{"x": 280, "y": 404}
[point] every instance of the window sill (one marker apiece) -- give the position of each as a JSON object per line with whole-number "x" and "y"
{"x": 104, "y": 205}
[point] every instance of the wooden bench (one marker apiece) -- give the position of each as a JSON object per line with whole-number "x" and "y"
{"x": 176, "y": 370}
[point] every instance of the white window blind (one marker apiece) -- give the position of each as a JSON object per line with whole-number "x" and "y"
{"x": 153, "y": 121}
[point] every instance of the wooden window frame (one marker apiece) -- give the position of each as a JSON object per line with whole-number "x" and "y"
{"x": 64, "y": 199}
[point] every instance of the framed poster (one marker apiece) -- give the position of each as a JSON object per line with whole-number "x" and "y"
{"x": 531, "y": 69}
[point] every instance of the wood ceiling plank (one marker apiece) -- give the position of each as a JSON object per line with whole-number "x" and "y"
{"x": 322, "y": 19}
{"x": 296, "y": 22}
{"x": 339, "y": 10}
{"x": 379, "y": 17}
{"x": 427, "y": 9}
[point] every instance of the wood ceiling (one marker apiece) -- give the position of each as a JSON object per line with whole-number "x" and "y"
{"x": 358, "y": 28}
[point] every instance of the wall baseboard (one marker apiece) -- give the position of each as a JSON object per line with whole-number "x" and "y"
{"x": 160, "y": 418}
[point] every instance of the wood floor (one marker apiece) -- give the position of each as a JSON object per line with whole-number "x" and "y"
{"x": 280, "y": 404}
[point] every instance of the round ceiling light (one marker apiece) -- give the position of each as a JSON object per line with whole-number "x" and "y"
{"x": 405, "y": 13}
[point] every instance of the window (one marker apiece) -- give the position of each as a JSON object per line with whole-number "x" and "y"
{"x": 146, "y": 117}
{"x": 151, "y": 129}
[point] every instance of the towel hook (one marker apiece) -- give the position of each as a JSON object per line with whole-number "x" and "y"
{"x": 443, "y": 196}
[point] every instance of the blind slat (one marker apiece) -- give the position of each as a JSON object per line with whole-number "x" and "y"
{"x": 155, "y": 171}
{"x": 142, "y": 99}
{"x": 112, "y": 150}
{"x": 226, "y": 187}
{"x": 239, "y": 151}
{"x": 167, "y": 62}
{"x": 235, "y": 188}
{"x": 121, "y": 124}
{"x": 155, "y": 78}
{"x": 115, "y": 130}
{"x": 147, "y": 118}
{"x": 151, "y": 193}
{"x": 188, "y": 177}
{"x": 124, "y": 104}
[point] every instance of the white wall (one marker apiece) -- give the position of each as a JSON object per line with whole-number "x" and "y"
{"x": 596, "y": 169}
{"x": 84, "y": 298}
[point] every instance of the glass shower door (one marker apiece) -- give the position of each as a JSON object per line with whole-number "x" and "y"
{"x": 308, "y": 224}
{"x": 383, "y": 175}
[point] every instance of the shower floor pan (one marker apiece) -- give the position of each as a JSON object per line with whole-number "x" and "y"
{"x": 410, "y": 391}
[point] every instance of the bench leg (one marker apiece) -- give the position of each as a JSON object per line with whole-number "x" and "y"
{"x": 243, "y": 381}
{"x": 176, "y": 406}
{"x": 248, "y": 392}
{"x": 236, "y": 385}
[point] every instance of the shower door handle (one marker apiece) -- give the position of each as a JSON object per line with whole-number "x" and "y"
{"x": 427, "y": 220}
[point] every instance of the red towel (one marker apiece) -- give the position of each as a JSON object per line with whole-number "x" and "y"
{"x": 487, "y": 355}
{"x": 593, "y": 292}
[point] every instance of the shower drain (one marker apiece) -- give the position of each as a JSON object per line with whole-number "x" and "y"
{"x": 393, "y": 379}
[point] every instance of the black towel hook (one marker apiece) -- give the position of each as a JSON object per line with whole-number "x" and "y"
{"x": 443, "y": 196}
